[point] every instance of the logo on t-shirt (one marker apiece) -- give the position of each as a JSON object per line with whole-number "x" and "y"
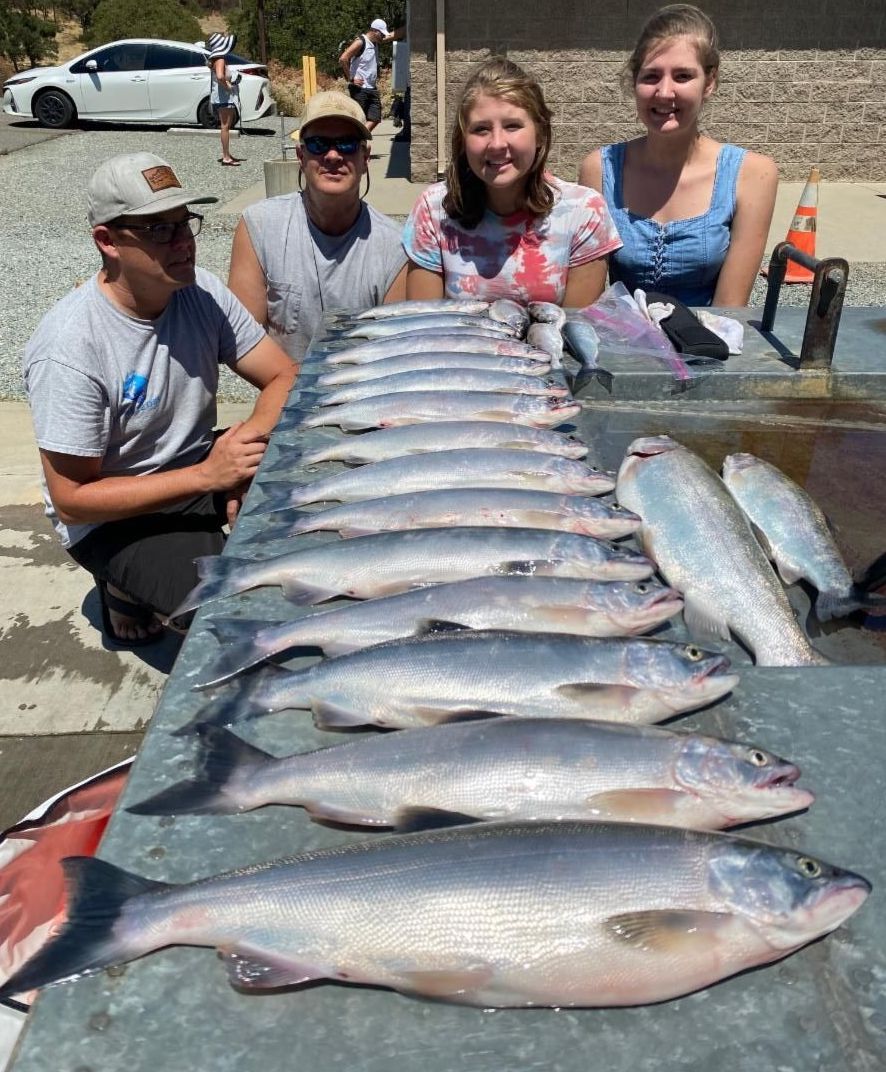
{"x": 135, "y": 388}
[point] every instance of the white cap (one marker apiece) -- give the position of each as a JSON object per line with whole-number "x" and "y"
{"x": 135, "y": 184}
{"x": 380, "y": 25}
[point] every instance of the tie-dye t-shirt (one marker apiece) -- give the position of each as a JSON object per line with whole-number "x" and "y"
{"x": 522, "y": 257}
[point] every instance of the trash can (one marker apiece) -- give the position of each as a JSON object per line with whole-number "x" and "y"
{"x": 281, "y": 177}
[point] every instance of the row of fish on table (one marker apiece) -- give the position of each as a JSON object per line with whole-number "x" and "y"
{"x": 565, "y": 852}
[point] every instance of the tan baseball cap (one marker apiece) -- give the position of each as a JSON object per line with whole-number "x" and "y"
{"x": 135, "y": 184}
{"x": 332, "y": 104}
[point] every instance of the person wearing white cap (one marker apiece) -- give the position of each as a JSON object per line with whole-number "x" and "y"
{"x": 122, "y": 375}
{"x": 224, "y": 93}
{"x": 359, "y": 62}
{"x": 300, "y": 255}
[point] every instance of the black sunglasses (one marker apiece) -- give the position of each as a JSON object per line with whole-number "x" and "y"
{"x": 163, "y": 233}
{"x": 317, "y": 144}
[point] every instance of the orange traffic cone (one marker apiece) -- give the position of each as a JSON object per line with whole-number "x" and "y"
{"x": 802, "y": 230}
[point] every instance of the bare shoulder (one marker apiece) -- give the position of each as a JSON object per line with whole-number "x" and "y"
{"x": 590, "y": 172}
{"x": 758, "y": 168}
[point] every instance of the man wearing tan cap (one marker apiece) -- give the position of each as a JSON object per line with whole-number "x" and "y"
{"x": 359, "y": 63}
{"x": 298, "y": 256}
{"x": 122, "y": 377}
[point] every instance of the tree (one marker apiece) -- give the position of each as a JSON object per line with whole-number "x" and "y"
{"x": 304, "y": 27}
{"x": 25, "y": 38}
{"x": 115, "y": 19}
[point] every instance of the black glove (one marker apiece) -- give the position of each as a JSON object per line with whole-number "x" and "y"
{"x": 686, "y": 331}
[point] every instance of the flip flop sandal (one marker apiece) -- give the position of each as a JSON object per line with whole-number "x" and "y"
{"x": 140, "y": 615}
{"x": 230, "y": 163}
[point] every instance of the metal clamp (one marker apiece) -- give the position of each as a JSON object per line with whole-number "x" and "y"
{"x": 825, "y": 303}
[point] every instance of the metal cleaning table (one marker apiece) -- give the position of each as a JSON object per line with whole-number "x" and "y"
{"x": 822, "y": 1009}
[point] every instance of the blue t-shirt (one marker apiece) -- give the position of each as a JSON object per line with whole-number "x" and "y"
{"x": 682, "y": 258}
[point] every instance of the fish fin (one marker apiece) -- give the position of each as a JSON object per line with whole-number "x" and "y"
{"x": 829, "y": 605}
{"x": 410, "y": 820}
{"x": 321, "y": 811}
{"x": 435, "y": 716}
{"x": 329, "y": 715}
{"x": 301, "y": 593}
{"x": 348, "y": 532}
{"x": 702, "y": 619}
{"x": 221, "y": 755}
{"x": 237, "y": 701}
{"x": 278, "y": 495}
{"x": 447, "y": 984}
{"x": 215, "y": 573}
{"x": 640, "y": 805}
{"x": 667, "y": 931}
{"x": 249, "y": 971}
{"x": 431, "y": 626}
{"x": 239, "y": 649}
{"x": 96, "y": 895}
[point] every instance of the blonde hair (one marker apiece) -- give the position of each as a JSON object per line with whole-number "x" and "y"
{"x": 465, "y": 198}
{"x": 675, "y": 20}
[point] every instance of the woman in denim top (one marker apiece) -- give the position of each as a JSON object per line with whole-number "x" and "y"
{"x": 693, "y": 213}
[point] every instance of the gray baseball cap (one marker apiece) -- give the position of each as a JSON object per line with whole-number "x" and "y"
{"x": 135, "y": 184}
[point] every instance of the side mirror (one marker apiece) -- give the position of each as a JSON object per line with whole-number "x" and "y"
{"x": 91, "y": 65}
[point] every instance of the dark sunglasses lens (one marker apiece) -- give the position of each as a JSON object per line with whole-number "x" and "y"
{"x": 316, "y": 145}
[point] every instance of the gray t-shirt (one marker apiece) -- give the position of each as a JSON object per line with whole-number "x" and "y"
{"x": 139, "y": 394}
{"x": 309, "y": 272}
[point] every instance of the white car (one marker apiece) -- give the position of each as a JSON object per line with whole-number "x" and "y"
{"x": 139, "y": 80}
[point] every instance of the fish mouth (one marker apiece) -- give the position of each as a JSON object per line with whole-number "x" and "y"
{"x": 735, "y": 463}
{"x": 650, "y": 446}
{"x": 785, "y": 774}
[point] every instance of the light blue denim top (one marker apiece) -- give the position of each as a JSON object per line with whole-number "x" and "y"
{"x": 682, "y": 258}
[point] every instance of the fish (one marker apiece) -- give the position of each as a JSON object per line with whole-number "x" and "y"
{"x": 424, "y": 308}
{"x": 583, "y": 341}
{"x": 547, "y": 313}
{"x": 530, "y": 604}
{"x": 452, "y": 675}
{"x": 447, "y": 379}
{"x": 498, "y": 770}
{"x": 511, "y": 313}
{"x": 409, "y": 439}
{"x": 795, "y": 533}
{"x": 445, "y": 507}
{"x": 402, "y": 325}
{"x": 490, "y": 915}
{"x": 417, "y": 407}
{"x": 704, "y": 547}
{"x": 454, "y": 340}
{"x": 466, "y": 468}
{"x": 547, "y": 337}
{"x": 388, "y": 562}
{"x": 390, "y": 366}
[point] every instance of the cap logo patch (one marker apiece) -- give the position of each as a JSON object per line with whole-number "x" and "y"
{"x": 161, "y": 178}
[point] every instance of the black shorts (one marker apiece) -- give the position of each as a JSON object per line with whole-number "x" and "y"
{"x": 151, "y": 557}
{"x": 368, "y": 99}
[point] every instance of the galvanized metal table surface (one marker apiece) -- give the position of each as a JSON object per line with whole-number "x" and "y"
{"x": 823, "y": 1008}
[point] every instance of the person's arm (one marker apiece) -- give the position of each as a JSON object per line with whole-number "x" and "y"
{"x": 397, "y": 290}
{"x": 585, "y": 283}
{"x": 220, "y": 69}
{"x": 755, "y": 201}
{"x": 269, "y": 368}
{"x": 422, "y": 284}
{"x": 590, "y": 173}
{"x": 344, "y": 60}
{"x": 246, "y": 277}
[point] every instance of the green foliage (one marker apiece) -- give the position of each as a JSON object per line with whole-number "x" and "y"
{"x": 81, "y": 10}
{"x": 295, "y": 28}
{"x": 26, "y": 39}
{"x": 116, "y": 19}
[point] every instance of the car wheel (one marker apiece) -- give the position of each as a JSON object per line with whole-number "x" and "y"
{"x": 206, "y": 117}
{"x": 54, "y": 109}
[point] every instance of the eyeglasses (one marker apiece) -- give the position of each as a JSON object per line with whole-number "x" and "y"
{"x": 163, "y": 233}
{"x": 317, "y": 144}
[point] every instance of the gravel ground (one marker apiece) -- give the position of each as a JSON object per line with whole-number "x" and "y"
{"x": 47, "y": 248}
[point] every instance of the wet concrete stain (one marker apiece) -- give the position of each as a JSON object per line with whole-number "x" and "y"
{"x": 43, "y": 547}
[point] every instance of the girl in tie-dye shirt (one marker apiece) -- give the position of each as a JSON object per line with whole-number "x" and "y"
{"x": 500, "y": 226}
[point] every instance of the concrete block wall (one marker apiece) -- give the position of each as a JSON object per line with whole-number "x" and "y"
{"x": 804, "y": 82}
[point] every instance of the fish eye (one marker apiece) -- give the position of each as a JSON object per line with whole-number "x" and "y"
{"x": 642, "y": 588}
{"x": 693, "y": 653}
{"x": 758, "y": 758}
{"x": 809, "y": 867}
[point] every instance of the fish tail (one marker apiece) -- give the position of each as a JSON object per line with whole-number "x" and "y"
{"x": 829, "y": 605}
{"x": 243, "y": 644}
{"x": 97, "y": 893}
{"x": 239, "y": 701}
{"x": 222, "y": 755}
{"x": 216, "y": 580}
{"x": 278, "y": 495}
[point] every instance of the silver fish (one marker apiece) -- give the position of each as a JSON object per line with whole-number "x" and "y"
{"x": 500, "y": 769}
{"x": 423, "y": 308}
{"x": 445, "y": 507}
{"x": 547, "y": 313}
{"x": 421, "y": 342}
{"x": 402, "y": 325}
{"x": 524, "y": 604}
{"x": 416, "y": 407}
{"x": 448, "y": 676}
{"x": 388, "y": 562}
{"x": 510, "y": 312}
{"x": 582, "y": 340}
{"x": 795, "y": 534}
{"x": 447, "y": 379}
{"x": 466, "y": 468}
{"x": 444, "y": 435}
{"x": 391, "y": 366}
{"x": 547, "y": 337}
{"x": 704, "y": 547}
{"x": 500, "y": 914}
